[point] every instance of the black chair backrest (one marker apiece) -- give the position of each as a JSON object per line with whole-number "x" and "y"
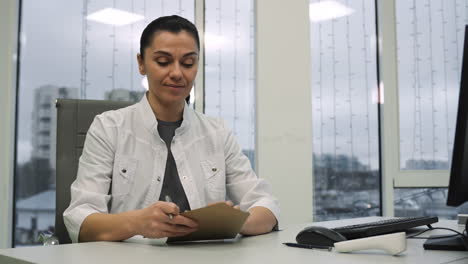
{"x": 74, "y": 117}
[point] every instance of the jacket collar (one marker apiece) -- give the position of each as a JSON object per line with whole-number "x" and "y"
{"x": 150, "y": 120}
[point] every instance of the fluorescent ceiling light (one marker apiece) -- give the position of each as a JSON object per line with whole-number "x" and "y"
{"x": 115, "y": 17}
{"x": 327, "y": 10}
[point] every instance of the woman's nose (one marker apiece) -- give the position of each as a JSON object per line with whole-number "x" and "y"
{"x": 176, "y": 72}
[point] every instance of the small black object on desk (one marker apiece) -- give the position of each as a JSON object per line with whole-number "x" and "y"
{"x": 307, "y": 246}
{"x": 319, "y": 235}
{"x": 456, "y": 242}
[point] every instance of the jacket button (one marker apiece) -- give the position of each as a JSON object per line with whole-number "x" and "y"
{"x": 159, "y": 179}
{"x": 214, "y": 169}
{"x": 124, "y": 170}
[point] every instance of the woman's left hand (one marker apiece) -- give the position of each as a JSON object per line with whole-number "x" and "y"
{"x": 261, "y": 220}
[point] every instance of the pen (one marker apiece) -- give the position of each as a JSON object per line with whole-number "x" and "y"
{"x": 169, "y": 200}
{"x": 307, "y": 246}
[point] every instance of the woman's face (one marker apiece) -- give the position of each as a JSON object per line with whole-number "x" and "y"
{"x": 170, "y": 64}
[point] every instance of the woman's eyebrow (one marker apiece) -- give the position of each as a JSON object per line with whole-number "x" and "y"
{"x": 163, "y": 53}
{"x": 193, "y": 53}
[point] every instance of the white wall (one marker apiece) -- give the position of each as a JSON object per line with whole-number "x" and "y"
{"x": 389, "y": 110}
{"x": 284, "y": 110}
{"x": 8, "y": 33}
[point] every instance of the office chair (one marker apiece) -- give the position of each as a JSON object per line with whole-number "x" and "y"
{"x": 73, "y": 120}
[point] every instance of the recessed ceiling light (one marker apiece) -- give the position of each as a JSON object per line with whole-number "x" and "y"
{"x": 115, "y": 17}
{"x": 327, "y": 10}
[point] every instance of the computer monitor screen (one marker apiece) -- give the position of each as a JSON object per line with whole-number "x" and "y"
{"x": 458, "y": 185}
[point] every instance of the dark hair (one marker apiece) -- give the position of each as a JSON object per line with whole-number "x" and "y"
{"x": 173, "y": 24}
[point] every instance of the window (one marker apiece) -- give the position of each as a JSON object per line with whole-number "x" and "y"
{"x": 430, "y": 40}
{"x": 97, "y": 60}
{"x": 430, "y": 37}
{"x": 66, "y": 55}
{"x": 229, "y": 72}
{"x": 345, "y": 109}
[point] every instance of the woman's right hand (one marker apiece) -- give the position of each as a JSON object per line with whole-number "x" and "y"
{"x": 162, "y": 219}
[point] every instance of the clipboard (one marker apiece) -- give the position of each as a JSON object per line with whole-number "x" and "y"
{"x": 217, "y": 221}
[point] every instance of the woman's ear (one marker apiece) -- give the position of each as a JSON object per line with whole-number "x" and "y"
{"x": 141, "y": 66}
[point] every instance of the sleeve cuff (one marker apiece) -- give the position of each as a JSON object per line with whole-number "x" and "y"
{"x": 272, "y": 206}
{"x": 74, "y": 218}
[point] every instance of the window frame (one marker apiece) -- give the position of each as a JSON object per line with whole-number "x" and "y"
{"x": 9, "y": 25}
{"x": 199, "y": 87}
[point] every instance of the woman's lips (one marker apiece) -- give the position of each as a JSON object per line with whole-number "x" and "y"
{"x": 174, "y": 86}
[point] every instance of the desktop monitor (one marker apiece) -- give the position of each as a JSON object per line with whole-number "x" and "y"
{"x": 458, "y": 185}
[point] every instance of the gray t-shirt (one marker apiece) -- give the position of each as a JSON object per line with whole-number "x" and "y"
{"x": 172, "y": 185}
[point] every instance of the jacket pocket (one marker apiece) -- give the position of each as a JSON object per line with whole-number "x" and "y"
{"x": 124, "y": 174}
{"x": 215, "y": 188}
{"x": 210, "y": 169}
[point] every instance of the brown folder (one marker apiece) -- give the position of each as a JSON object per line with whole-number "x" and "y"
{"x": 217, "y": 221}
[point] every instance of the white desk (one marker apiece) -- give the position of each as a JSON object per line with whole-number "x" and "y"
{"x": 259, "y": 249}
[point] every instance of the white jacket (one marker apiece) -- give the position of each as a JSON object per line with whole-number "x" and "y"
{"x": 123, "y": 163}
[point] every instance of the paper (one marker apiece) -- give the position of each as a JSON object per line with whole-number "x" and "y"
{"x": 217, "y": 221}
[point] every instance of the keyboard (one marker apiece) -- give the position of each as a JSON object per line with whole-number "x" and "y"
{"x": 393, "y": 225}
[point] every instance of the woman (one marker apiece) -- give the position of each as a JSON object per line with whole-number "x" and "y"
{"x": 143, "y": 165}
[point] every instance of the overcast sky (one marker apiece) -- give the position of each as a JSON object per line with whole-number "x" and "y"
{"x": 344, "y": 112}
{"x": 344, "y": 80}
